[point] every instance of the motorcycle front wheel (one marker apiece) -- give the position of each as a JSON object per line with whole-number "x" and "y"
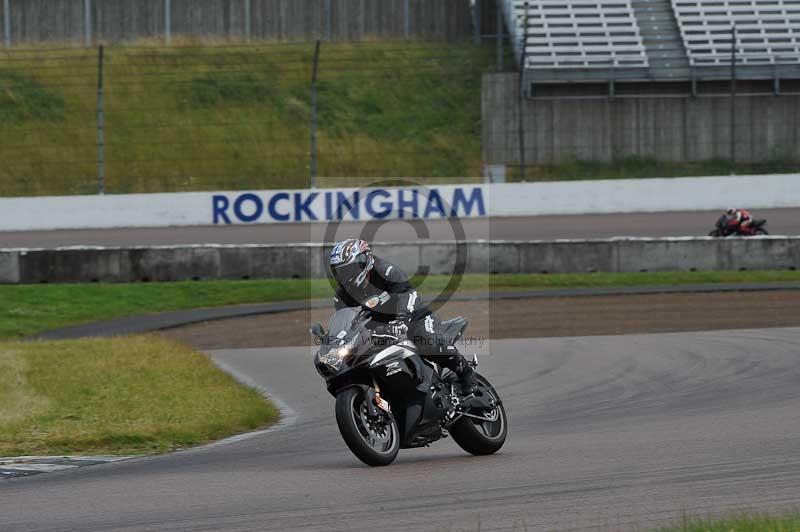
{"x": 374, "y": 440}
{"x": 486, "y": 435}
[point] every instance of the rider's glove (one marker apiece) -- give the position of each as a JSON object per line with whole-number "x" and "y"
{"x": 399, "y": 327}
{"x": 392, "y": 328}
{"x": 403, "y": 316}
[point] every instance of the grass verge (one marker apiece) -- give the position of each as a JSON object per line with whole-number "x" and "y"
{"x": 757, "y": 523}
{"x": 129, "y": 395}
{"x": 29, "y": 309}
{"x": 238, "y": 116}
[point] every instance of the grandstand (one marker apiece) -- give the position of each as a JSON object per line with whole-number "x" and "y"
{"x": 651, "y": 41}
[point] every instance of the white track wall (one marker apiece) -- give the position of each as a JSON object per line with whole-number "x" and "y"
{"x": 324, "y": 205}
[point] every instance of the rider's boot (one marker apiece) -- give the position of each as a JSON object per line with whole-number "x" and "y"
{"x": 466, "y": 377}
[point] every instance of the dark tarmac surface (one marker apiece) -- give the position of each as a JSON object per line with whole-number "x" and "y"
{"x": 780, "y": 222}
{"x": 606, "y": 433}
{"x": 623, "y": 432}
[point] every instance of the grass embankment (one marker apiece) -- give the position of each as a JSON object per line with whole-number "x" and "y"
{"x": 789, "y": 523}
{"x": 238, "y": 117}
{"x": 26, "y": 310}
{"x": 128, "y": 395}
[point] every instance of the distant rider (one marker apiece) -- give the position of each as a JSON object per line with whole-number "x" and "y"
{"x": 384, "y": 289}
{"x": 738, "y": 220}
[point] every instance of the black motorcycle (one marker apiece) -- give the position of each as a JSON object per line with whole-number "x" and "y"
{"x": 723, "y": 229}
{"x": 388, "y": 397}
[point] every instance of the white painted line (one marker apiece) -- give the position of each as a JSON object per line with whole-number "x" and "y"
{"x": 41, "y": 459}
{"x": 41, "y": 468}
{"x": 99, "y": 458}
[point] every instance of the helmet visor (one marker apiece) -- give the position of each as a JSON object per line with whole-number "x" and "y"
{"x": 346, "y": 274}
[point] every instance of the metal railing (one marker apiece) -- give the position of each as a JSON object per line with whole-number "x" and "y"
{"x": 94, "y": 21}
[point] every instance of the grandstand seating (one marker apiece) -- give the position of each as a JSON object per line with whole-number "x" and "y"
{"x": 654, "y": 40}
{"x": 768, "y": 31}
{"x": 577, "y": 33}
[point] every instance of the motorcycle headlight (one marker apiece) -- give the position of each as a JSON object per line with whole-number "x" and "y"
{"x": 336, "y": 355}
{"x": 344, "y": 351}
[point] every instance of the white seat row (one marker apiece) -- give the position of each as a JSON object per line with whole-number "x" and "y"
{"x": 767, "y": 31}
{"x": 577, "y": 33}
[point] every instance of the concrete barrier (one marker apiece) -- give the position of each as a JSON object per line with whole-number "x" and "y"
{"x": 180, "y": 263}
{"x": 191, "y": 209}
{"x": 666, "y": 127}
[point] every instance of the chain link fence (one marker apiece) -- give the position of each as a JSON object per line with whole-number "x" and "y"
{"x": 127, "y": 119}
{"x": 147, "y": 119}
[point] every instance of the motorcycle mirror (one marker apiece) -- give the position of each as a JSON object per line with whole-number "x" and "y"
{"x": 317, "y": 331}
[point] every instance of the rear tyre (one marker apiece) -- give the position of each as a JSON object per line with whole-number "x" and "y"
{"x": 374, "y": 440}
{"x": 715, "y": 232}
{"x": 761, "y": 231}
{"x": 482, "y": 437}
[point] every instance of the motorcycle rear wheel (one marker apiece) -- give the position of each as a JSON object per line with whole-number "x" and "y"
{"x": 374, "y": 441}
{"x": 480, "y": 437}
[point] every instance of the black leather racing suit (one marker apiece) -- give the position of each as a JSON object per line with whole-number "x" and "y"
{"x": 389, "y": 296}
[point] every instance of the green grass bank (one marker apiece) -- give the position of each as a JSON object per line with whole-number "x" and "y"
{"x": 29, "y": 309}
{"x": 233, "y": 116}
{"x": 127, "y": 395}
{"x": 743, "y": 523}
{"x": 238, "y": 116}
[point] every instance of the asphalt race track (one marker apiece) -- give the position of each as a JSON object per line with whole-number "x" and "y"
{"x": 606, "y": 433}
{"x": 780, "y": 222}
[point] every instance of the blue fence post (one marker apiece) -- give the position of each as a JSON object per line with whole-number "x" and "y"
{"x": 329, "y": 19}
{"x": 407, "y": 19}
{"x": 87, "y": 22}
{"x": 477, "y": 16}
{"x": 314, "y": 117}
{"x": 168, "y": 21}
{"x": 7, "y": 22}
{"x": 499, "y": 37}
{"x": 101, "y": 124}
{"x": 247, "y": 19}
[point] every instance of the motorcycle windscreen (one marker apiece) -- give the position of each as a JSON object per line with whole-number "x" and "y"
{"x": 342, "y": 320}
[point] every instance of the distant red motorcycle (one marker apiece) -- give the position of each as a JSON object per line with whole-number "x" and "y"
{"x": 724, "y": 227}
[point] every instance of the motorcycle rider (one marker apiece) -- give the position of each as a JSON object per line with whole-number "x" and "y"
{"x": 738, "y": 220}
{"x": 364, "y": 280}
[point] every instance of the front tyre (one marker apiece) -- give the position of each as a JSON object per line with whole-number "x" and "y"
{"x": 482, "y": 436}
{"x": 374, "y": 440}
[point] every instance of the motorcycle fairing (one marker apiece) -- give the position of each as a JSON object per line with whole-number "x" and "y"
{"x": 393, "y": 353}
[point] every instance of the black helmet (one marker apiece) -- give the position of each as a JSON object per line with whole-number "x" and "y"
{"x": 350, "y": 262}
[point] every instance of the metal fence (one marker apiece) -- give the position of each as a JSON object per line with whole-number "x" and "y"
{"x": 645, "y": 129}
{"x": 92, "y": 21}
{"x": 140, "y": 119}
